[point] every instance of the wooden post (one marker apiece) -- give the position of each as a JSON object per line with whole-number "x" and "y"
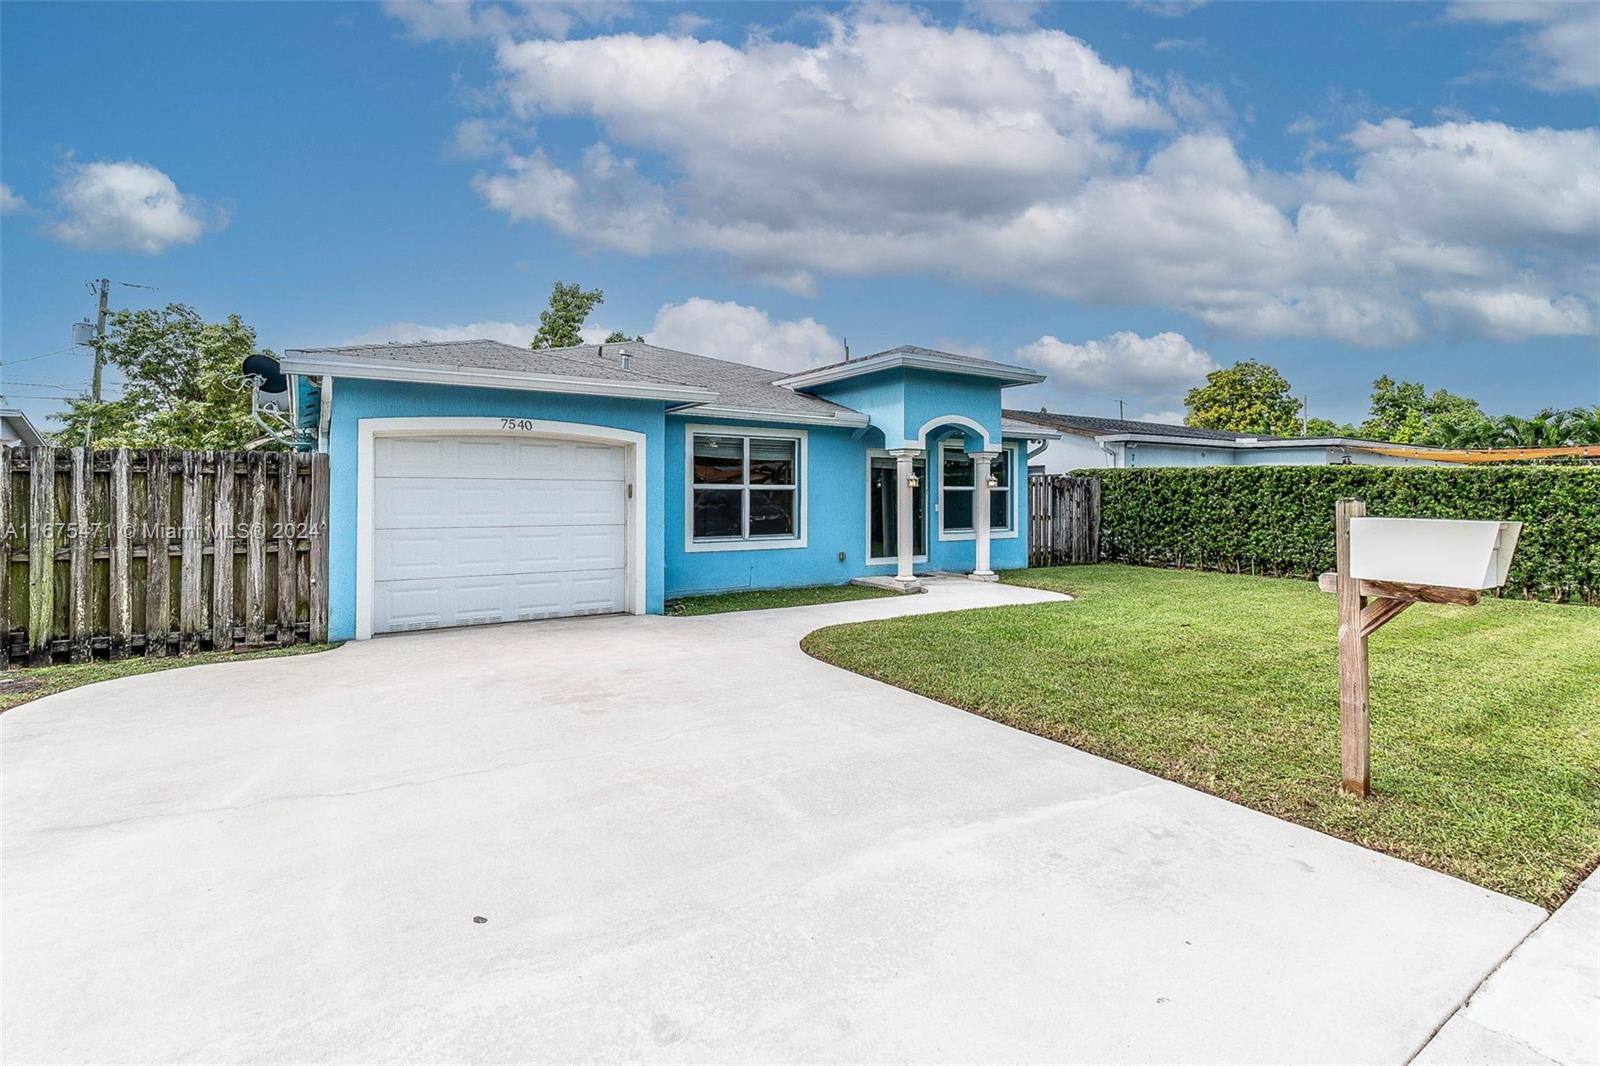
{"x": 80, "y": 524}
{"x": 41, "y": 554}
{"x": 119, "y": 542}
{"x": 1355, "y": 743}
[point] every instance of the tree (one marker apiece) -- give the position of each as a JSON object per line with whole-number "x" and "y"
{"x": 1403, "y": 412}
{"x": 1327, "y": 427}
{"x": 616, "y": 336}
{"x": 184, "y": 385}
{"x": 561, "y": 324}
{"x": 1247, "y": 397}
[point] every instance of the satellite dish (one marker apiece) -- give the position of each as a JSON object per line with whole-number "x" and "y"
{"x": 265, "y": 368}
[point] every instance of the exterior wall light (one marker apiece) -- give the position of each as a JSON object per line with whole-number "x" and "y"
{"x": 913, "y": 481}
{"x": 994, "y": 482}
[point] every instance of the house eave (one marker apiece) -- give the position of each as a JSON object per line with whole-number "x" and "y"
{"x": 848, "y": 419}
{"x": 429, "y": 374}
{"x": 1007, "y": 375}
{"x": 1246, "y": 445}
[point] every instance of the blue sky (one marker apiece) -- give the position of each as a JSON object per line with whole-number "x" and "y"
{"x": 1125, "y": 196}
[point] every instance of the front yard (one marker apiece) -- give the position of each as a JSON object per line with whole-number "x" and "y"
{"x": 1485, "y": 720}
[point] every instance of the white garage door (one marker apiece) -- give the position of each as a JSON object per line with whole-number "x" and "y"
{"x": 471, "y": 530}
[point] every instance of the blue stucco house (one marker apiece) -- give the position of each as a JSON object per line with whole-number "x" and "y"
{"x": 475, "y": 482}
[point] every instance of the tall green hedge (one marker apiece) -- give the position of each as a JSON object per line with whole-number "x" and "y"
{"x": 1279, "y": 519}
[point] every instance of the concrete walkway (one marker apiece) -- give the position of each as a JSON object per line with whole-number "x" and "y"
{"x": 1543, "y": 1005}
{"x": 688, "y": 842}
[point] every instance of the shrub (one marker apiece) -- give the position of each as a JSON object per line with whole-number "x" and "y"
{"x": 1279, "y": 519}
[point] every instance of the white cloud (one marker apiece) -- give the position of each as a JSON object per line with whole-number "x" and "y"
{"x": 477, "y": 138}
{"x": 1180, "y": 44}
{"x": 1165, "y": 418}
{"x": 1559, "y": 42}
{"x": 458, "y": 20}
{"x": 517, "y": 333}
{"x": 1162, "y": 365}
{"x": 1508, "y": 314}
{"x": 688, "y": 24}
{"x": 727, "y": 330}
{"x": 895, "y": 145}
{"x": 1170, "y": 9}
{"x": 127, "y": 206}
{"x": 11, "y": 203}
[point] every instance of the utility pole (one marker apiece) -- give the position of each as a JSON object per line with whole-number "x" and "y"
{"x": 1119, "y": 410}
{"x": 99, "y": 359}
{"x": 1305, "y": 416}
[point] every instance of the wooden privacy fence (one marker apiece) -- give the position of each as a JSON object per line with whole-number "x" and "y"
{"x": 1063, "y": 519}
{"x": 113, "y": 553}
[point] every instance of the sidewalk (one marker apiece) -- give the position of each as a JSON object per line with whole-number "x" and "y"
{"x": 1542, "y": 1005}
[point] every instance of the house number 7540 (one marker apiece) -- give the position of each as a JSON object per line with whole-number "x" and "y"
{"x": 526, "y": 425}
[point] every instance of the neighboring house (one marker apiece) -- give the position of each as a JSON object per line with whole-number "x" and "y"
{"x": 16, "y": 431}
{"x": 1087, "y": 442}
{"x": 477, "y": 482}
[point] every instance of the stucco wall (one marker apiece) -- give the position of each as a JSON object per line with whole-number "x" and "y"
{"x": 355, "y": 399}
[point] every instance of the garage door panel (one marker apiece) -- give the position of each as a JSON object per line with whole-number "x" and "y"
{"x": 475, "y": 530}
{"x": 490, "y": 457}
{"x": 414, "y": 502}
{"x": 465, "y": 601}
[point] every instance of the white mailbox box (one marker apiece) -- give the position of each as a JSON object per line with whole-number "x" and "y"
{"x": 1432, "y": 551}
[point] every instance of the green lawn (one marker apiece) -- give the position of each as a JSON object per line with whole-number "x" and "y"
{"x": 1485, "y": 720}
{"x": 26, "y": 685}
{"x": 762, "y": 599}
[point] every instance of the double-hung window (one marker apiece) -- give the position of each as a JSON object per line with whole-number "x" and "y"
{"x": 745, "y": 488}
{"x": 958, "y": 493}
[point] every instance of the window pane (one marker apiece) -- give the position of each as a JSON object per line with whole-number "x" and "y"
{"x": 957, "y": 468}
{"x": 772, "y": 512}
{"x": 958, "y": 509}
{"x": 717, "y": 513}
{"x": 999, "y": 508}
{"x": 772, "y": 462}
{"x": 718, "y": 460}
{"x": 1000, "y": 468}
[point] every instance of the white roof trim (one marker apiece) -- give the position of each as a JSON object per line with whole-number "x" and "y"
{"x": 853, "y": 419}
{"x": 1011, "y": 375}
{"x": 1027, "y": 430}
{"x": 1217, "y": 442}
{"x": 23, "y": 427}
{"x": 308, "y": 363}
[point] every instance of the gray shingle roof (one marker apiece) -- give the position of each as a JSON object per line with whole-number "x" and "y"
{"x": 1100, "y": 426}
{"x": 736, "y": 384}
{"x": 912, "y": 349}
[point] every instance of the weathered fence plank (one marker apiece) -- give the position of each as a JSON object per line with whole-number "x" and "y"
{"x": 222, "y": 529}
{"x": 5, "y": 557}
{"x": 191, "y": 539}
{"x": 273, "y": 522}
{"x": 287, "y": 591}
{"x": 317, "y": 525}
{"x": 80, "y": 542}
{"x": 1063, "y": 520}
{"x": 41, "y": 554}
{"x": 158, "y": 554}
{"x": 119, "y": 542}
{"x": 255, "y": 560}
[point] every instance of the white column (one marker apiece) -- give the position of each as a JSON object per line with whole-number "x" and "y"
{"x": 904, "y": 536}
{"x": 980, "y": 517}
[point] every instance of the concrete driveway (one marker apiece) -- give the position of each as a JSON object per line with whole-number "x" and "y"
{"x": 690, "y": 842}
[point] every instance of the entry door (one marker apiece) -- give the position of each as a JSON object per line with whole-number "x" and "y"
{"x": 471, "y": 530}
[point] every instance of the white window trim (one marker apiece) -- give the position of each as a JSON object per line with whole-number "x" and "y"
{"x": 368, "y": 429}
{"x": 882, "y": 453}
{"x": 1010, "y": 533}
{"x": 802, "y": 489}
